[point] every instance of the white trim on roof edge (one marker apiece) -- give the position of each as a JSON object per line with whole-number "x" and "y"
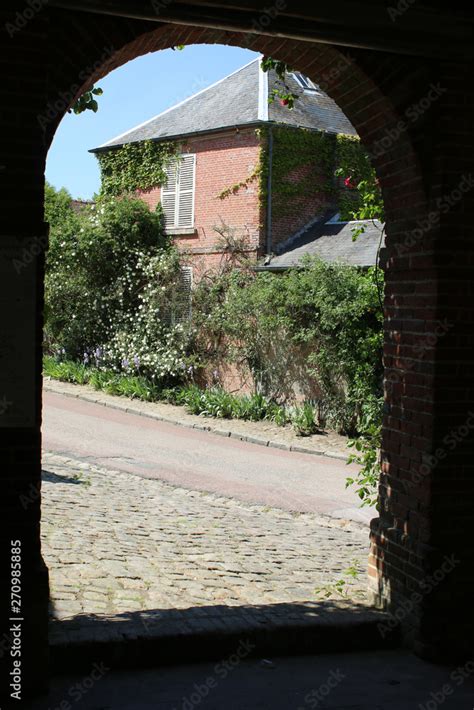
{"x": 113, "y": 141}
{"x": 262, "y": 93}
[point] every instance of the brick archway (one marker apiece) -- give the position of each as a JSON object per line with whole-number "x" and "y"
{"x": 377, "y": 91}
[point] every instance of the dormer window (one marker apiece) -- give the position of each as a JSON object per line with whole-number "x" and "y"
{"x": 305, "y": 83}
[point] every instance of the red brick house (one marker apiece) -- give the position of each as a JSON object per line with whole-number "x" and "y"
{"x": 232, "y": 150}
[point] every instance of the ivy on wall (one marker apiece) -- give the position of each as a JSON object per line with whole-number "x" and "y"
{"x": 234, "y": 189}
{"x": 308, "y": 163}
{"x": 358, "y": 188}
{"x": 303, "y": 166}
{"x": 135, "y": 166}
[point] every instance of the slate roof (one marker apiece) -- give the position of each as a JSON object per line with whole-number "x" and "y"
{"x": 332, "y": 242}
{"x": 239, "y": 99}
{"x": 312, "y": 110}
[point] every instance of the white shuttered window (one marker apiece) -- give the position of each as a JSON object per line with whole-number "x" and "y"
{"x": 177, "y": 195}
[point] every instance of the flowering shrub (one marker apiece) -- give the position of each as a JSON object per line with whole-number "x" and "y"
{"x": 111, "y": 273}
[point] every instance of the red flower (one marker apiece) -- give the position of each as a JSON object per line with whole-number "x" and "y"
{"x": 284, "y": 102}
{"x": 348, "y": 183}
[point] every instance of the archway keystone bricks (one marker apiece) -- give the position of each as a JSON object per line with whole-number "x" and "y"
{"x": 426, "y": 172}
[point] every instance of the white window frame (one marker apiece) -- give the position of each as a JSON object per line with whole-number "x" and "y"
{"x": 176, "y": 192}
{"x": 305, "y": 83}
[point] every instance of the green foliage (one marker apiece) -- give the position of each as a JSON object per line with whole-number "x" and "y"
{"x": 58, "y": 211}
{"x": 360, "y": 198}
{"x": 216, "y": 402}
{"x": 303, "y": 419}
{"x": 210, "y": 402}
{"x": 135, "y": 166}
{"x": 344, "y": 584}
{"x": 328, "y": 313}
{"x": 281, "y": 91}
{"x": 367, "y": 453}
{"x": 87, "y": 101}
{"x": 234, "y": 189}
{"x": 303, "y": 167}
{"x": 110, "y": 278}
{"x": 66, "y": 371}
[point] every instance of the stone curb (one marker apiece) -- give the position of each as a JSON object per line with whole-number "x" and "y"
{"x": 123, "y": 407}
{"x": 202, "y": 639}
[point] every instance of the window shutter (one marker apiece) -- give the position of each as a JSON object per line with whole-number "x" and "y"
{"x": 168, "y": 194}
{"x": 178, "y": 308}
{"x": 178, "y": 194}
{"x": 185, "y": 185}
{"x": 183, "y": 296}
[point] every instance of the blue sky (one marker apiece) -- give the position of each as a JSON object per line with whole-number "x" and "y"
{"x": 133, "y": 93}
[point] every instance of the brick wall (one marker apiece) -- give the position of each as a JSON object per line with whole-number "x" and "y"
{"x": 222, "y": 160}
{"x": 290, "y": 214}
{"x": 430, "y": 387}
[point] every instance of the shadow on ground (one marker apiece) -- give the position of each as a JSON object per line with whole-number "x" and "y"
{"x": 167, "y": 636}
{"x": 385, "y": 680}
{"x": 75, "y": 479}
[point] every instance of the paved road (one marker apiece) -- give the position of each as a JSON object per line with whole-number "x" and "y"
{"x": 198, "y": 460}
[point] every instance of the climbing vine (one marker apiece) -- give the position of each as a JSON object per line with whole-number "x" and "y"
{"x": 234, "y": 189}
{"x": 359, "y": 195}
{"x": 135, "y": 166}
{"x": 281, "y": 90}
{"x": 303, "y": 166}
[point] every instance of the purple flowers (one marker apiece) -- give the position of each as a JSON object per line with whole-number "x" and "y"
{"x": 125, "y": 364}
{"x": 136, "y": 361}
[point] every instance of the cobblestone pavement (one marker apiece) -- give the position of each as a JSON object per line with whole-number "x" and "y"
{"x": 114, "y": 542}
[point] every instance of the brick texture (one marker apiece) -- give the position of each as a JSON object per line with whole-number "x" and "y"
{"x": 425, "y": 508}
{"x": 222, "y": 161}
